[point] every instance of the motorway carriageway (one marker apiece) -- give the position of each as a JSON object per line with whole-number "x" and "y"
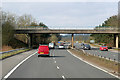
{"x": 108, "y": 54}
{"x": 61, "y": 64}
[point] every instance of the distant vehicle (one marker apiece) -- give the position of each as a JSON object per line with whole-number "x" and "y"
{"x": 61, "y": 46}
{"x": 51, "y": 45}
{"x": 68, "y": 46}
{"x": 43, "y": 50}
{"x": 82, "y": 45}
{"x": 86, "y": 47}
{"x": 92, "y": 41}
{"x": 77, "y": 42}
{"x": 104, "y": 48}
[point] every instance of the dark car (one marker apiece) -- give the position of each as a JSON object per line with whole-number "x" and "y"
{"x": 86, "y": 47}
{"x": 82, "y": 44}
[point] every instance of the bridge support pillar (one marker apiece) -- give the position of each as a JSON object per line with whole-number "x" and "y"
{"x": 29, "y": 40}
{"x": 72, "y": 41}
{"x": 116, "y": 41}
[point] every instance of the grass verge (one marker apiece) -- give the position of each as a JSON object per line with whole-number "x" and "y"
{"x": 117, "y": 49}
{"x": 95, "y": 45}
{"x": 6, "y": 48}
{"x": 6, "y": 55}
{"x": 111, "y": 66}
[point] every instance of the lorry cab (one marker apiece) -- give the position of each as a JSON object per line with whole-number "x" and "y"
{"x": 43, "y": 50}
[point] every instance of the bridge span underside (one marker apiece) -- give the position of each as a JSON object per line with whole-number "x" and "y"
{"x": 67, "y": 31}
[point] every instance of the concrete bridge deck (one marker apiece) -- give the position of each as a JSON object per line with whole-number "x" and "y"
{"x": 65, "y": 31}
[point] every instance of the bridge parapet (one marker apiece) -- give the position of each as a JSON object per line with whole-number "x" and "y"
{"x": 37, "y": 30}
{"x": 70, "y": 27}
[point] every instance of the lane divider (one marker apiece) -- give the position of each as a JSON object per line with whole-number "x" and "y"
{"x": 58, "y": 67}
{"x": 18, "y": 65}
{"x": 63, "y": 77}
{"x": 94, "y": 65}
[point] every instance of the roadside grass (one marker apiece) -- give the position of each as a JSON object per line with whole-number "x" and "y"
{"x": 111, "y": 66}
{"x": 6, "y": 48}
{"x": 117, "y": 49}
{"x": 6, "y": 55}
{"x": 95, "y": 45}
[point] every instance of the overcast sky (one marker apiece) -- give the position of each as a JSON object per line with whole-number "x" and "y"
{"x": 60, "y": 0}
{"x": 64, "y": 13}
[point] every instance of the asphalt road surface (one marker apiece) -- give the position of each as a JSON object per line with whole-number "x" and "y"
{"x": 61, "y": 64}
{"x": 96, "y": 51}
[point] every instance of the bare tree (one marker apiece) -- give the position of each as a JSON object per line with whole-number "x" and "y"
{"x": 25, "y": 20}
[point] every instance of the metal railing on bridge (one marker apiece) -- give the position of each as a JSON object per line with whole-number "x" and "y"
{"x": 69, "y": 28}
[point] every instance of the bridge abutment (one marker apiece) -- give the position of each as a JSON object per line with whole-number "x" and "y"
{"x": 29, "y": 40}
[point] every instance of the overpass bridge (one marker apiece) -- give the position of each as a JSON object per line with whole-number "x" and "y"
{"x": 30, "y": 31}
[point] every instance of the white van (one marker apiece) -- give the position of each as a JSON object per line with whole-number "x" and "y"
{"x": 51, "y": 45}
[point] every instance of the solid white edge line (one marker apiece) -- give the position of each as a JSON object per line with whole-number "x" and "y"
{"x": 94, "y": 65}
{"x": 9, "y": 73}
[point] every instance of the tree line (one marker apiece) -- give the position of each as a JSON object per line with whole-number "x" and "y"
{"x": 107, "y": 39}
{"x": 11, "y": 21}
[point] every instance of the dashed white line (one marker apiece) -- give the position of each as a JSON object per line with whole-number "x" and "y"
{"x": 54, "y": 61}
{"x": 53, "y": 58}
{"x": 58, "y": 67}
{"x": 63, "y": 77}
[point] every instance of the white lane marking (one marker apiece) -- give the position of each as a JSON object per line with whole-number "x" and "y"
{"x": 94, "y": 65}
{"x": 18, "y": 65}
{"x": 63, "y": 77}
{"x": 58, "y": 67}
{"x": 83, "y": 50}
{"x": 54, "y": 61}
{"x": 53, "y": 58}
